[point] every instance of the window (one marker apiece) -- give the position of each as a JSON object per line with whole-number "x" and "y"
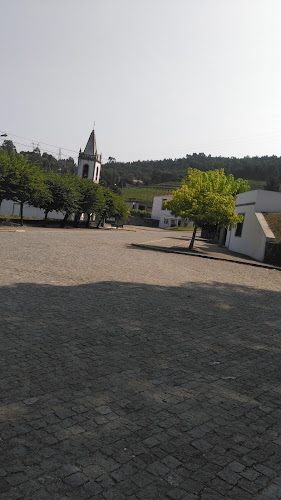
{"x": 239, "y": 227}
{"x": 163, "y": 208}
{"x": 97, "y": 173}
{"x": 85, "y": 171}
{"x": 166, "y": 221}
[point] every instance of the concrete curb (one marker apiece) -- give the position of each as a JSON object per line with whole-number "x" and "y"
{"x": 203, "y": 256}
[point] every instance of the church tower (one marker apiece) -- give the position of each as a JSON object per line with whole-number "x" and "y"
{"x": 89, "y": 162}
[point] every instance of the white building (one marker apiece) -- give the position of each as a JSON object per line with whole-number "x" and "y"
{"x": 251, "y": 236}
{"x": 165, "y": 217}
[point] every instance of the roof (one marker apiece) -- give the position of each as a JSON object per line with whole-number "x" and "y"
{"x": 274, "y": 222}
{"x": 91, "y": 147}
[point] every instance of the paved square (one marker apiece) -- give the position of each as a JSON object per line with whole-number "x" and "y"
{"x": 131, "y": 374}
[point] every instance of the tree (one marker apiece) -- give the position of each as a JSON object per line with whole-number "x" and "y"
{"x": 70, "y": 195}
{"x": 8, "y": 146}
{"x": 111, "y": 205}
{"x": 25, "y": 181}
{"x": 272, "y": 184}
{"x": 52, "y": 197}
{"x": 5, "y": 169}
{"x": 207, "y": 198}
{"x": 91, "y": 199}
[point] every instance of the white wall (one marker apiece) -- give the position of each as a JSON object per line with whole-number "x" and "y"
{"x": 8, "y": 207}
{"x": 252, "y": 240}
{"x": 94, "y": 169}
{"x": 254, "y": 235}
{"x": 81, "y": 163}
{"x": 157, "y": 211}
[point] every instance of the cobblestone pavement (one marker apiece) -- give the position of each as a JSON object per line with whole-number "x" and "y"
{"x": 130, "y": 374}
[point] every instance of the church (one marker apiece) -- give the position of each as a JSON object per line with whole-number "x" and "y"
{"x": 89, "y": 167}
{"x": 89, "y": 162}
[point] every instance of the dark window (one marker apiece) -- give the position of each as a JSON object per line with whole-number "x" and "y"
{"x": 239, "y": 227}
{"x": 85, "y": 171}
{"x": 164, "y": 208}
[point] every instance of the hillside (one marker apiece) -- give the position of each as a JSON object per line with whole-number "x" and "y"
{"x": 153, "y": 173}
{"x": 147, "y": 193}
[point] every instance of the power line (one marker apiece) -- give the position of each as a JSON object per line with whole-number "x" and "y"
{"x": 45, "y": 150}
{"x": 40, "y": 142}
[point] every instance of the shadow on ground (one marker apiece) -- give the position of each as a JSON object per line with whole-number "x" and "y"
{"x": 120, "y": 390}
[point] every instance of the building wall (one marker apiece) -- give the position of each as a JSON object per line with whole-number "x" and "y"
{"x": 252, "y": 239}
{"x": 91, "y": 164}
{"x": 157, "y": 211}
{"x": 254, "y": 235}
{"x": 9, "y": 207}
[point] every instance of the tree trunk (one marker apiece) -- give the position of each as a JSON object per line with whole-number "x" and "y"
{"x": 88, "y": 221}
{"x": 21, "y": 213}
{"x": 193, "y": 238}
{"x": 77, "y": 219}
{"x": 222, "y": 236}
{"x": 45, "y": 218}
{"x": 63, "y": 222}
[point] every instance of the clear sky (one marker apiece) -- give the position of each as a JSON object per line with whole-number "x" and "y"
{"x": 160, "y": 78}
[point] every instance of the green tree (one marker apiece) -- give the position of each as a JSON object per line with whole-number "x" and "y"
{"x": 272, "y": 184}
{"x": 111, "y": 205}
{"x": 52, "y": 197}
{"x": 70, "y": 195}
{"x": 25, "y": 181}
{"x": 5, "y": 170}
{"x": 8, "y": 146}
{"x": 91, "y": 199}
{"x": 207, "y": 198}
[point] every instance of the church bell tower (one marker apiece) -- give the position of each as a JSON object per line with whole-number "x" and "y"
{"x": 89, "y": 162}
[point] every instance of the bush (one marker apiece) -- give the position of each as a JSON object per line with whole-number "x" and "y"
{"x": 140, "y": 213}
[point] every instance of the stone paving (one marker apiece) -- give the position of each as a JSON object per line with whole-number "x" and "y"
{"x": 128, "y": 374}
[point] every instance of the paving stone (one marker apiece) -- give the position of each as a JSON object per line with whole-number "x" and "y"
{"x": 106, "y": 393}
{"x": 41, "y": 495}
{"x": 176, "y": 494}
{"x": 93, "y": 488}
{"x": 17, "y": 478}
{"x": 76, "y": 479}
{"x": 142, "y": 479}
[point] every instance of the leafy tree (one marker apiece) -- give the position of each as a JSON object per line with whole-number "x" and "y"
{"x": 8, "y": 146}
{"x": 120, "y": 208}
{"x": 272, "y": 184}
{"x": 5, "y": 168}
{"x": 70, "y": 195}
{"x": 91, "y": 199}
{"x": 207, "y": 198}
{"x": 52, "y": 197}
{"x": 111, "y": 206}
{"x": 25, "y": 181}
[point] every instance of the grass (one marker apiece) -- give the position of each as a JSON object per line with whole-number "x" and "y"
{"x": 17, "y": 217}
{"x": 147, "y": 193}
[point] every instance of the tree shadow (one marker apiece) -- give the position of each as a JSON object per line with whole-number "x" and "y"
{"x": 173, "y": 383}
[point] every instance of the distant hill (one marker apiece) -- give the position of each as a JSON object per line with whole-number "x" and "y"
{"x": 155, "y": 172}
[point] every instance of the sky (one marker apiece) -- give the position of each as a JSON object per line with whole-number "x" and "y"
{"x": 155, "y": 78}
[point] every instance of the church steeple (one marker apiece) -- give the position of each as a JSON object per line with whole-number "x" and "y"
{"x": 89, "y": 162}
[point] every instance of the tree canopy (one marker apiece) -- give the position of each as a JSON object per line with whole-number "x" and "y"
{"x": 207, "y": 198}
{"x": 24, "y": 182}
